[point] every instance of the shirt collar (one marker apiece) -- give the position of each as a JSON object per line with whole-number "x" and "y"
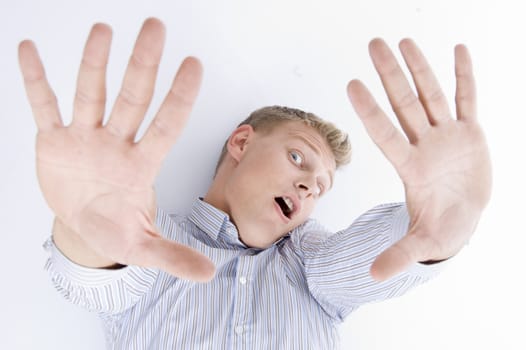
{"x": 208, "y": 218}
{"x": 213, "y": 221}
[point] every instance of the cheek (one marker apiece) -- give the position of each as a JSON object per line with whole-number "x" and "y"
{"x": 266, "y": 168}
{"x": 252, "y": 180}
{"x": 263, "y": 172}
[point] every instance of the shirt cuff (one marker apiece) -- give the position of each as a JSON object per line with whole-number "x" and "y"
{"x": 59, "y": 264}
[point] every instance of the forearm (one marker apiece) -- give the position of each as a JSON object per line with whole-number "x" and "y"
{"x": 338, "y": 267}
{"x": 75, "y": 249}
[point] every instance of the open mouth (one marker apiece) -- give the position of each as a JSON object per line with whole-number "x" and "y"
{"x": 286, "y": 204}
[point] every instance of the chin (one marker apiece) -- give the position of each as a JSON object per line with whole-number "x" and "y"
{"x": 250, "y": 244}
{"x": 264, "y": 233}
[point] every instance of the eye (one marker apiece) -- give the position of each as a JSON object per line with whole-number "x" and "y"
{"x": 296, "y": 157}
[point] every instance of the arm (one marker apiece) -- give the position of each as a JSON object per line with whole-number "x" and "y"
{"x": 337, "y": 267}
{"x": 108, "y": 290}
{"x": 96, "y": 179}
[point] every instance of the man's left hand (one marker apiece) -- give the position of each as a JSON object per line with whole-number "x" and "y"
{"x": 443, "y": 161}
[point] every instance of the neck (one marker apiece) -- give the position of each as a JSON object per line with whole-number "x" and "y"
{"x": 216, "y": 195}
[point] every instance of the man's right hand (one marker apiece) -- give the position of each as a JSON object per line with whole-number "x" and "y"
{"x": 96, "y": 178}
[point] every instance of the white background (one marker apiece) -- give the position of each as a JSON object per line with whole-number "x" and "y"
{"x": 295, "y": 53}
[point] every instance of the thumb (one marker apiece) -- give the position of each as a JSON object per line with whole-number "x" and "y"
{"x": 176, "y": 259}
{"x": 400, "y": 256}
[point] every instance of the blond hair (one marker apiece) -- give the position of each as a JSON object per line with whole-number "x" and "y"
{"x": 266, "y": 118}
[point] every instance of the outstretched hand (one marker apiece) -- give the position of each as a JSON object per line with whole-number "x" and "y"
{"x": 443, "y": 161}
{"x": 96, "y": 178}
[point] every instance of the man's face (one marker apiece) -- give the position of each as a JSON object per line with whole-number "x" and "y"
{"x": 277, "y": 181}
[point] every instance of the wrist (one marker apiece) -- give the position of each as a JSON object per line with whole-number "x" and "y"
{"x": 75, "y": 249}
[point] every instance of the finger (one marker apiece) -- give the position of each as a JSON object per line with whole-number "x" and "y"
{"x": 174, "y": 111}
{"x": 466, "y": 94}
{"x": 429, "y": 91}
{"x": 405, "y": 104}
{"x": 401, "y": 255}
{"x": 137, "y": 88}
{"x": 90, "y": 98}
{"x": 41, "y": 98}
{"x": 378, "y": 126}
{"x": 176, "y": 259}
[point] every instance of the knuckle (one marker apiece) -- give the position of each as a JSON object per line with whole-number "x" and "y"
{"x": 160, "y": 129}
{"x": 435, "y": 96}
{"x": 89, "y": 62}
{"x": 44, "y": 102}
{"x": 132, "y": 98}
{"x": 143, "y": 61}
{"x": 406, "y": 100}
{"x": 114, "y": 130}
{"x": 372, "y": 112}
{"x": 421, "y": 69}
{"x": 180, "y": 96}
{"x": 84, "y": 97}
{"x": 386, "y": 134}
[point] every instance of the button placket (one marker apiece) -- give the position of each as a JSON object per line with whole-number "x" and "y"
{"x": 239, "y": 330}
{"x": 243, "y": 302}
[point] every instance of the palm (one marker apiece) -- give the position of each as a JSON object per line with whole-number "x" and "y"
{"x": 443, "y": 162}
{"x": 97, "y": 179}
{"x": 100, "y": 187}
{"x": 68, "y": 159}
{"x": 450, "y": 179}
{"x": 452, "y": 167}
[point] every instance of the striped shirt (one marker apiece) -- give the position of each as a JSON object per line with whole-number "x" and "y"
{"x": 292, "y": 295}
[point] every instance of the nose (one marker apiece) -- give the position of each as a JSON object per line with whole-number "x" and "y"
{"x": 307, "y": 187}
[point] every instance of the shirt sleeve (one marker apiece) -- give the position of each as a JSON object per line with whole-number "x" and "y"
{"x": 337, "y": 266}
{"x": 109, "y": 291}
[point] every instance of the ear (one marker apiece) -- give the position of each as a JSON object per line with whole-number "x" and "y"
{"x": 238, "y": 141}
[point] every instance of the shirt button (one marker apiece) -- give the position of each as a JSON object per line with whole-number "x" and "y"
{"x": 239, "y": 330}
{"x": 243, "y": 280}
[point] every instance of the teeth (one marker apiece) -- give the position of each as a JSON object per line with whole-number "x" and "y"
{"x": 289, "y": 203}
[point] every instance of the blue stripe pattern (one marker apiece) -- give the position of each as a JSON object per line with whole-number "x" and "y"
{"x": 292, "y": 295}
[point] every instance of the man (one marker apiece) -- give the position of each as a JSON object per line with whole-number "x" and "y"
{"x": 270, "y": 277}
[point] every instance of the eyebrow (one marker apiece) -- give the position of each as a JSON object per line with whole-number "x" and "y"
{"x": 316, "y": 150}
